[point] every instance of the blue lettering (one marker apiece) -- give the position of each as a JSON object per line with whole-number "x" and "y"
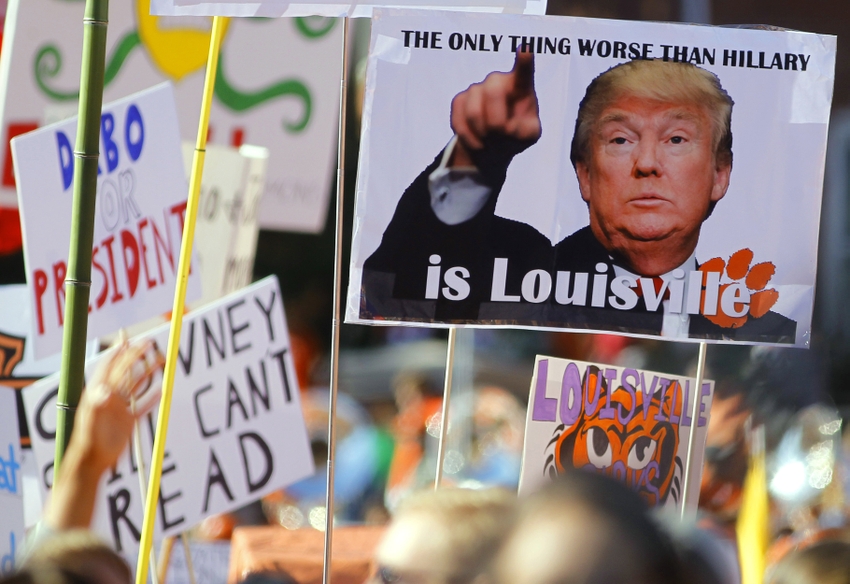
{"x": 66, "y": 159}
{"x": 134, "y": 147}
{"x": 8, "y": 472}
{"x": 107, "y": 126}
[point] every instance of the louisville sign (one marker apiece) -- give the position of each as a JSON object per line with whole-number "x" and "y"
{"x": 578, "y": 174}
{"x": 630, "y": 424}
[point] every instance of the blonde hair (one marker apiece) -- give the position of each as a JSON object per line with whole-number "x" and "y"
{"x": 475, "y": 523}
{"x": 657, "y": 80}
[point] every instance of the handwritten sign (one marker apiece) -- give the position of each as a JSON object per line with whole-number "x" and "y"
{"x": 627, "y": 423}
{"x": 236, "y": 432}
{"x": 272, "y": 8}
{"x": 141, "y": 206}
{"x": 288, "y": 105}
{"x": 11, "y": 483}
{"x": 226, "y": 229}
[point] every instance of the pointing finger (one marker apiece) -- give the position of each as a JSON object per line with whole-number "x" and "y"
{"x": 523, "y": 73}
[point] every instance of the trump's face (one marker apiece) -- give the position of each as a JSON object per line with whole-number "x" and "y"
{"x": 649, "y": 178}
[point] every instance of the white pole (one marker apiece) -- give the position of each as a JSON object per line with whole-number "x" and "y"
{"x": 334, "y": 381}
{"x": 686, "y": 491}
{"x": 444, "y": 415}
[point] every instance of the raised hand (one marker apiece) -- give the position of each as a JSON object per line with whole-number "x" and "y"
{"x": 498, "y": 118}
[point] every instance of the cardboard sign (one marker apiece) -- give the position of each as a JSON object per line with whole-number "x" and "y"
{"x": 275, "y": 8}
{"x": 236, "y": 430}
{"x": 226, "y": 229}
{"x": 11, "y": 483}
{"x": 630, "y": 424}
{"x": 139, "y": 214}
{"x": 543, "y": 227}
{"x": 277, "y": 86}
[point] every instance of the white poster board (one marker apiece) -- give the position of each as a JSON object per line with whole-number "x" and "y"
{"x": 11, "y": 483}
{"x": 19, "y": 365}
{"x": 277, "y": 87}
{"x": 276, "y": 8}
{"x": 734, "y": 245}
{"x": 236, "y": 434}
{"x": 630, "y": 424}
{"x": 226, "y": 228}
{"x": 139, "y": 215}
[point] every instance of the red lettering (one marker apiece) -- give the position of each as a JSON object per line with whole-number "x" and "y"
{"x": 12, "y": 131}
{"x": 144, "y": 253}
{"x": 237, "y": 137}
{"x": 101, "y": 298}
{"x": 40, "y": 280}
{"x": 158, "y": 242}
{"x": 59, "y": 270}
{"x": 116, "y": 293}
{"x": 131, "y": 262}
{"x": 180, "y": 210}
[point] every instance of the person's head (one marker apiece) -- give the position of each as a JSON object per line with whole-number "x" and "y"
{"x": 585, "y": 528}
{"x": 652, "y": 150}
{"x": 444, "y": 537}
{"x": 79, "y": 557}
{"x": 825, "y": 562}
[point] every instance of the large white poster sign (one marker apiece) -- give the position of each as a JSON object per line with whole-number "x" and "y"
{"x": 237, "y": 432}
{"x": 226, "y": 228}
{"x": 11, "y": 483}
{"x": 277, "y": 86}
{"x": 139, "y": 214}
{"x": 588, "y": 182}
{"x": 630, "y": 424}
{"x": 276, "y": 8}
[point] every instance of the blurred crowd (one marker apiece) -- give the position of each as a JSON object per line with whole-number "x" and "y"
{"x": 770, "y": 406}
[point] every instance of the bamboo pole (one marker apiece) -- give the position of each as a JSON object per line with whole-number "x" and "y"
{"x": 219, "y": 26}
{"x": 337, "y": 317}
{"x": 78, "y": 280}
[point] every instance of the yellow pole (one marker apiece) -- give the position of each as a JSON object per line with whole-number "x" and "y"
{"x": 219, "y": 26}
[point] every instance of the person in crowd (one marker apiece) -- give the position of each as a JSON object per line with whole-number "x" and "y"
{"x": 825, "y": 562}
{"x": 61, "y": 549}
{"x": 447, "y": 536}
{"x": 585, "y": 528}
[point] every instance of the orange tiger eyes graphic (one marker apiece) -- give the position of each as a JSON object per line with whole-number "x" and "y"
{"x": 630, "y": 439}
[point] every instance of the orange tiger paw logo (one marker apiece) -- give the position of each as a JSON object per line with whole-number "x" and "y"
{"x": 754, "y": 277}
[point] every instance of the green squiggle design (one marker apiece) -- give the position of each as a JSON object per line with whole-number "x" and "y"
{"x": 238, "y": 101}
{"x": 48, "y": 64}
{"x": 304, "y": 26}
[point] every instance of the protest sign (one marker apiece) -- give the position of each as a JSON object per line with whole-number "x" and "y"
{"x": 494, "y": 231}
{"x": 276, "y": 8}
{"x": 11, "y": 483}
{"x": 627, "y": 423}
{"x": 226, "y": 230}
{"x": 277, "y": 86}
{"x": 140, "y": 209}
{"x": 241, "y": 435}
{"x": 18, "y": 365}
